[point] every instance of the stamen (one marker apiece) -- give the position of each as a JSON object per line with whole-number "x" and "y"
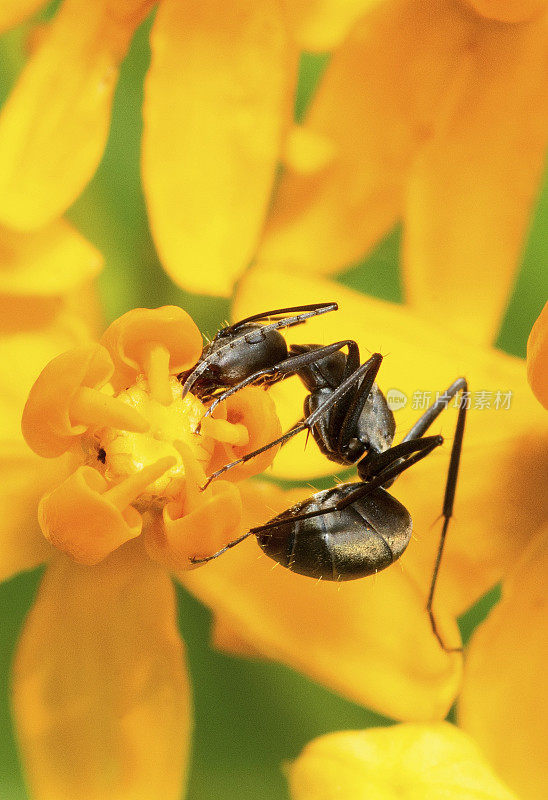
{"x": 91, "y": 407}
{"x": 233, "y": 433}
{"x": 129, "y": 489}
{"x": 194, "y": 474}
{"x": 156, "y": 365}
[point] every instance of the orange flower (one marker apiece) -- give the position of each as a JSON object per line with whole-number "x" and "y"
{"x": 432, "y": 112}
{"x": 99, "y": 674}
{"x": 218, "y": 99}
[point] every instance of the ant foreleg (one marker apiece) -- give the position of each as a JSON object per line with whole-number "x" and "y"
{"x": 311, "y": 310}
{"x": 283, "y": 368}
{"x": 371, "y": 365}
{"x": 349, "y": 422}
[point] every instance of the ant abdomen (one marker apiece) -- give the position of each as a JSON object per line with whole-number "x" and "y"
{"x": 359, "y": 540}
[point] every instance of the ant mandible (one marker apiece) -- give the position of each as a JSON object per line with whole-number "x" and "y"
{"x": 354, "y": 529}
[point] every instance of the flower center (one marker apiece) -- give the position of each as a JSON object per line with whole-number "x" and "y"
{"x": 172, "y": 432}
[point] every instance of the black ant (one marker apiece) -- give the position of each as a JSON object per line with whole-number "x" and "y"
{"x": 250, "y": 353}
{"x": 354, "y": 529}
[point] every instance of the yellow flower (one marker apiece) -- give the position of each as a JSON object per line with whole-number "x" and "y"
{"x": 217, "y": 103}
{"x": 404, "y": 762}
{"x": 100, "y": 693}
{"x": 43, "y": 276}
{"x": 432, "y": 112}
{"x": 504, "y": 701}
{"x": 370, "y": 639}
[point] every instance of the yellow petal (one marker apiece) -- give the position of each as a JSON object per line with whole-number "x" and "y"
{"x": 218, "y": 97}
{"x": 376, "y": 628}
{"x": 23, "y": 479}
{"x": 474, "y": 183}
{"x": 403, "y": 762}
{"x": 100, "y": 696}
{"x": 55, "y": 123}
{"x": 504, "y": 703}
{"x": 31, "y": 333}
{"x": 306, "y": 152}
{"x": 12, "y": 12}
{"x": 501, "y": 497}
{"x": 323, "y": 24}
{"x": 537, "y": 357}
{"x": 52, "y": 261}
{"x": 508, "y": 10}
{"x": 255, "y": 410}
{"x": 376, "y": 102}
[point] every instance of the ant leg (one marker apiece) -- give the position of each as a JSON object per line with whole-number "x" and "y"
{"x": 351, "y": 365}
{"x": 418, "y": 429}
{"x": 222, "y": 550}
{"x": 311, "y": 310}
{"x": 283, "y": 368}
{"x": 448, "y": 501}
{"x": 283, "y": 322}
{"x": 307, "y": 424}
{"x": 370, "y": 469}
{"x": 432, "y": 413}
{"x": 422, "y": 447}
{"x": 352, "y": 414}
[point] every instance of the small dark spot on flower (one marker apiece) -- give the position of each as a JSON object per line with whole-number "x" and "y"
{"x": 102, "y": 455}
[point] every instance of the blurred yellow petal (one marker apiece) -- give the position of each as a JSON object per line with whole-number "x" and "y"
{"x": 508, "y": 10}
{"x": 54, "y": 125}
{"x": 403, "y": 762}
{"x": 323, "y": 24}
{"x": 23, "y": 480}
{"x": 501, "y": 499}
{"x": 504, "y": 703}
{"x": 306, "y": 152}
{"x": 100, "y": 697}
{"x": 474, "y": 182}
{"x": 218, "y": 97}
{"x": 537, "y": 357}
{"x": 376, "y": 102}
{"x": 369, "y": 639}
{"x": 51, "y": 261}
{"x": 12, "y": 12}
{"x": 435, "y": 134}
{"x": 31, "y": 333}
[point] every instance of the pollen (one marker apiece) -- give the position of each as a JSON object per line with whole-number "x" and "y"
{"x": 138, "y": 453}
{"x": 172, "y": 426}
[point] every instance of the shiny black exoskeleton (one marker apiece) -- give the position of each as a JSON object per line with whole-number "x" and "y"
{"x": 370, "y": 427}
{"x": 371, "y": 533}
{"x": 249, "y": 352}
{"x": 354, "y": 529}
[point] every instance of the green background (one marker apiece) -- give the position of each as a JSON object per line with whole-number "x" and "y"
{"x": 250, "y": 716}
